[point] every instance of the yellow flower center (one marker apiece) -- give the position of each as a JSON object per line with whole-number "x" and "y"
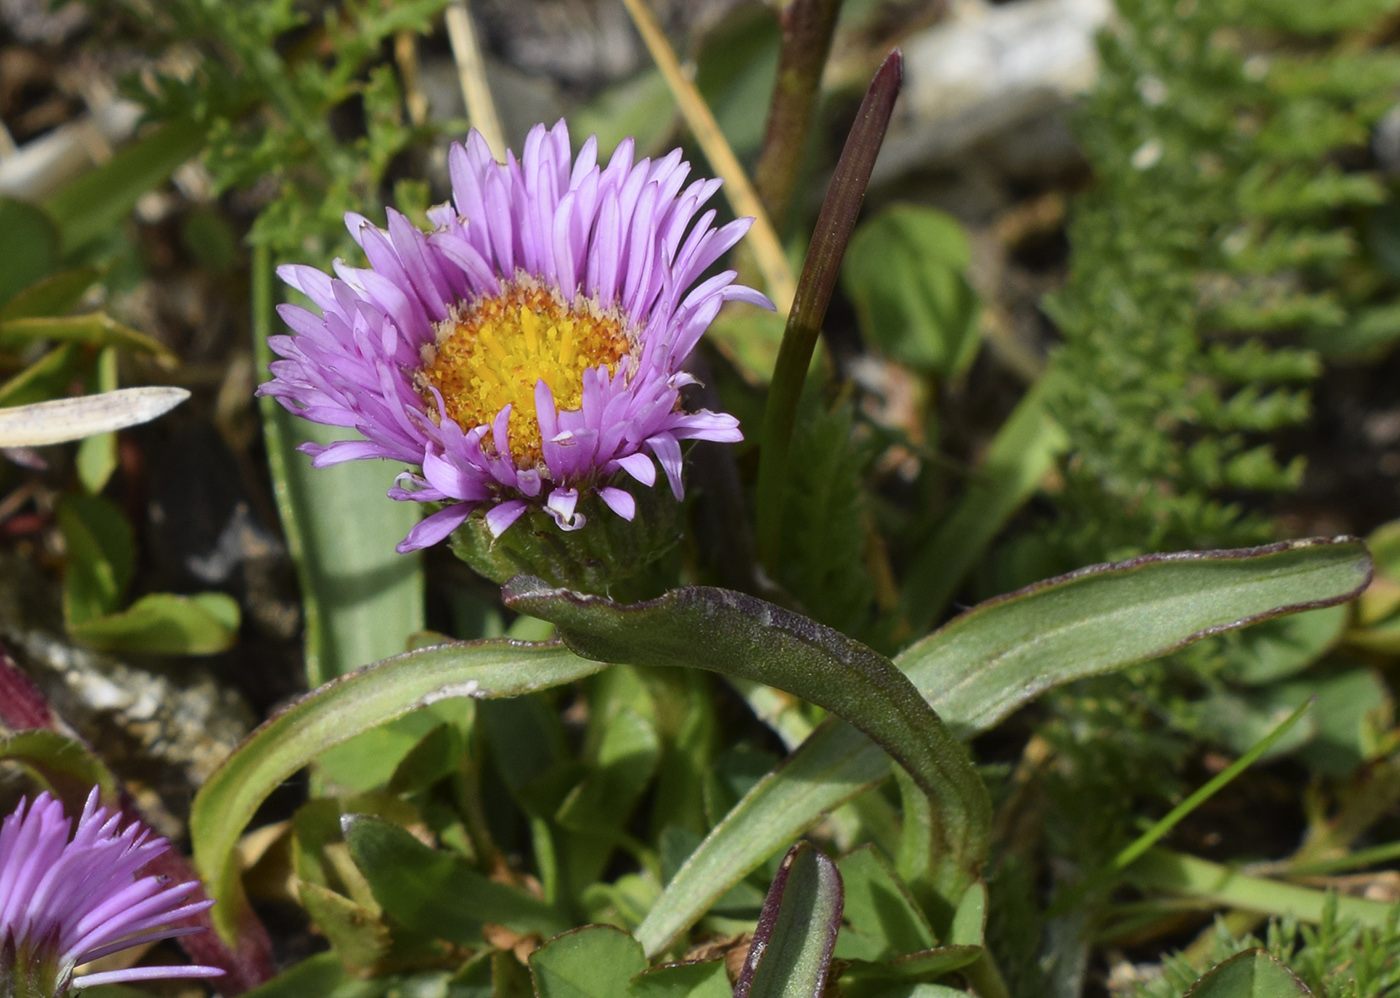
{"x": 491, "y": 352}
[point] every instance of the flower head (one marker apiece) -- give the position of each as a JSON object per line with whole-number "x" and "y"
{"x": 65, "y": 901}
{"x": 528, "y": 350}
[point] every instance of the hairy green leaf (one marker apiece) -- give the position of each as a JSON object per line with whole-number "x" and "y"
{"x": 735, "y": 634}
{"x": 1002, "y": 654}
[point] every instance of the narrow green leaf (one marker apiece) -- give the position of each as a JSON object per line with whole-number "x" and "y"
{"x": 436, "y": 893}
{"x": 792, "y": 946}
{"x": 881, "y": 920}
{"x": 1098, "y": 619}
{"x": 358, "y": 938}
{"x": 970, "y": 918}
{"x": 1002, "y": 654}
{"x": 96, "y": 329}
{"x": 862, "y": 979}
{"x": 368, "y": 761}
{"x": 97, "y": 455}
{"x": 596, "y": 961}
{"x": 340, "y": 710}
{"x": 734, "y": 634}
{"x": 1021, "y": 454}
{"x": 97, "y": 201}
{"x": 65, "y": 767}
{"x": 1251, "y": 974}
{"x": 362, "y": 600}
{"x": 165, "y": 624}
{"x": 1163, "y": 870}
{"x": 436, "y": 756}
{"x": 101, "y": 554}
{"x": 29, "y": 250}
{"x": 935, "y": 962}
{"x": 52, "y": 295}
{"x": 819, "y": 275}
{"x": 370, "y": 596}
{"x": 46, "y": 378}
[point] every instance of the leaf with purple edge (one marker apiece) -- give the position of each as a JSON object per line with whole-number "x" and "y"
{"x": 1251, "y": 974}
{"x": 734, "y": 634}
{"x": 796, "y": 935}
{"x": 1001, "y": 655}
{"x": 814, "y": 288}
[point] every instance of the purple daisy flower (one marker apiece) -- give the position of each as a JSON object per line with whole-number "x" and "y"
{"x": 529, "y": 348}
{"x": 65, "y": 902}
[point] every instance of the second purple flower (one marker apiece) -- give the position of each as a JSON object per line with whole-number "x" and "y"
{"x": 528, "y": 350}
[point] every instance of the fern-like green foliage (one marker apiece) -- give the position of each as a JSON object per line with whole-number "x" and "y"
{"x": 305, "y": 112}
{"x": 826, "y": 525}
{"x": 1216, "y": 248}
{"x": 1337, "y": 958}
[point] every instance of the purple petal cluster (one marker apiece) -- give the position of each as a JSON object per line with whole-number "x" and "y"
{"x": 629, "y": 239}
{"x": 66, "y": 901}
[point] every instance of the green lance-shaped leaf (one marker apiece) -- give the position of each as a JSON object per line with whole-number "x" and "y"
{"x": 165, "y": 624}
{"x": 1202, "y": 880}
{"x": 91, "y": 205}
{"x": 1022, "y": 452}
{"x": 437, "y": 893}
{"x": 1002, "y": 654}
{"x": 361, "y": 599}
{"x": 29, "y": 250}
{"x": 55, "y": 294}
{"x": 819, "y": 274}
{"x": 737, "y": 635}
{"x": 792, "y": 946}
{"x": 338, "y": 711}
{"x": 1251, "y": 974}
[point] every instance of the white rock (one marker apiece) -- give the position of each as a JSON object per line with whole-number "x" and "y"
{"x": 986, "y": 70}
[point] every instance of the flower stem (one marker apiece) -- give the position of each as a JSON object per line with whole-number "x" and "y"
{"x": 807, "y": 26}
{"x": 814, "y": 289}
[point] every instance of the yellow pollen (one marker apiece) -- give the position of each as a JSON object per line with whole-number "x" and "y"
{"x": 490, "y": 353}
